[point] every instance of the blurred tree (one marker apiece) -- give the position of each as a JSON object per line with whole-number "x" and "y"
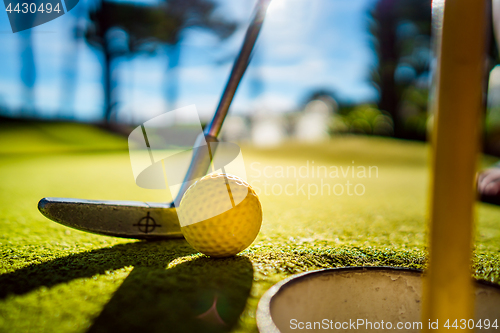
{"x": 119, "y": 29}
{"x": 70, "y": 63}
{"x": 363, "y": 119}
{"x": 28, "y": 64}
{"x": 401, "y": 29}
{"x": 187, "y": 14}
{"x": 491, "y": 139}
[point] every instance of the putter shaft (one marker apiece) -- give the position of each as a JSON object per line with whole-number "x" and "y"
{"x": 200, "y": 164}
{"x": 239, "y": 67}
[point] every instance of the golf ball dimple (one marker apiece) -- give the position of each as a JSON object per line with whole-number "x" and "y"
{"x": 220, "y": 215}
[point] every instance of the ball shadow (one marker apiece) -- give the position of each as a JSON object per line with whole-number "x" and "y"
{"x": 201, "y": 295}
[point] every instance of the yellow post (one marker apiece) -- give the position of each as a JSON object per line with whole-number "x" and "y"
{"x": 448, "y": 290}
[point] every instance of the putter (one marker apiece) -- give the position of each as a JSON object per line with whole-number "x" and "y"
{"x": 144, "y": 220}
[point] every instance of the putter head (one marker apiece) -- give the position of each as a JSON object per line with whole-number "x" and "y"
{"x": 127, "y": 219}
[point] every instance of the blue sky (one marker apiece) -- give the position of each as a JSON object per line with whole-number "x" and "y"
{"x": 304, "y": 45}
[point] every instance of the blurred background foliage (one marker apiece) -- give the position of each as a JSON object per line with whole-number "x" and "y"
{"x": 364, "y": 119}
{"x": 120, "y": 29}
{"x": 400, "y": 41}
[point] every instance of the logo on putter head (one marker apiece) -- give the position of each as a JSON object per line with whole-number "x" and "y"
{"x": 147, "y": 224}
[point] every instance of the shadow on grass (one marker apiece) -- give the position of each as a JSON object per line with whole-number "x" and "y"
{"x": 202, "y": 295}
{"x": 87, "y": 264}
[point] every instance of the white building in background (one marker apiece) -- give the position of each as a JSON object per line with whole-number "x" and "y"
{"x": 235, "y": 129}
{"x": 265, "y": 128}
{"x": 312, "y": 124}
{"x": 494, "y": 87}
{"x": 268, "y": 129}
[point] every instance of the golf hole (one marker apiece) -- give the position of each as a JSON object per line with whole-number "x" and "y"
{"x": 346, "y": 295}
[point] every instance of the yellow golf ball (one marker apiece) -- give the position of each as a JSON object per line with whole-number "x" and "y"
{"x": 220, "y": 215}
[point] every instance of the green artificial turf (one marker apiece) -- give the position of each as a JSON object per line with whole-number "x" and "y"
{"x": 56, "y": 279}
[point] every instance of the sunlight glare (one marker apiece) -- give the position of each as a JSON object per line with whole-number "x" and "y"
{"x": 276, "y": 6}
